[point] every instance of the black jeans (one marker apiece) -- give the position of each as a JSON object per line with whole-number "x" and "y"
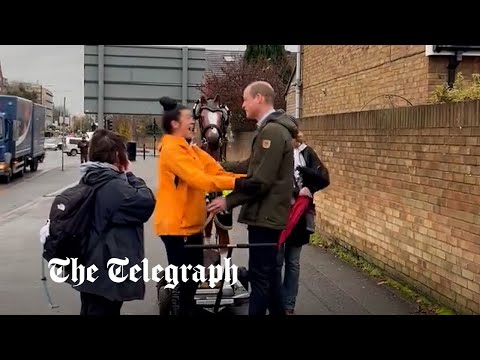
{"x": 183, "y": 302}
{"x": 96, "y": 305}
{"x": 262, "y": 273}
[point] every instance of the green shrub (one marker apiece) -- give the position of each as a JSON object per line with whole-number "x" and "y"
{"x": 461, "y": 91}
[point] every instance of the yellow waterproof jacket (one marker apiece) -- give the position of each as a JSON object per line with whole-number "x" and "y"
{"x": 185, "y": 174}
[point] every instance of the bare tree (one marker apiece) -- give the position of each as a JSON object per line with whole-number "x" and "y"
{"x": 229, "y": 85}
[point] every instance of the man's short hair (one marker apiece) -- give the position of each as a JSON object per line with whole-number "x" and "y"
{"x": 264, "y": 89}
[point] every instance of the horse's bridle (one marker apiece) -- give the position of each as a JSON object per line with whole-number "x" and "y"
{"x": 197, "y": 109}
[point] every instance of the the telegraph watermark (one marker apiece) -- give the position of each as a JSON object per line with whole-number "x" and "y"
{"x": 118, "y": 271}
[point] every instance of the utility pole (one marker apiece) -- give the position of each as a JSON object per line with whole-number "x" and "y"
{"x": 134, "y": 125}
{"x": 154, "y": 127}
{"x": 101, "y": 87}
{"x": 63, "y": 138}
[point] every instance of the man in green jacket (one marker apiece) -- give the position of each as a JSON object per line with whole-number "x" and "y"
{"x": 266, "y": 212}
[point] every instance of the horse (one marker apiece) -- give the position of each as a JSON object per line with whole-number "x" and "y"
{"x": 214, "y": 118}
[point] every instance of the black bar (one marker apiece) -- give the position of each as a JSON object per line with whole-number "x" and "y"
{"x": 144, "y": 151}
{"x": 229, "y": 246}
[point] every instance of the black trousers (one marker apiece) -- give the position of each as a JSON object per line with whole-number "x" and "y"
{"x": 183, "y": 302}
{"x": 262, "y": 273}
{"x": 95, "y": 305}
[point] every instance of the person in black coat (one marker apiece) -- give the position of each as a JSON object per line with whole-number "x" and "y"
{"x": 122, "y": 205}
{"x": 310, "y": 176}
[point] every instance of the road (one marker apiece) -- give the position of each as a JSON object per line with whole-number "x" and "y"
{"x": 22, "y": 190}
{"x": 327, "y": 285}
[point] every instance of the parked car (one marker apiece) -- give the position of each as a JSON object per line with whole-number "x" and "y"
{"x": 70, "y": 147}
{"x": 50, "y": 145}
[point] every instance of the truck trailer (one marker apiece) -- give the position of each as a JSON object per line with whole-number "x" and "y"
{"x": 22, "y": 136}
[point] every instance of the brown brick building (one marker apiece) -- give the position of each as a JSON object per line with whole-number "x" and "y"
{"x": 349, "y": 78}
{"x": 405, "y": 183}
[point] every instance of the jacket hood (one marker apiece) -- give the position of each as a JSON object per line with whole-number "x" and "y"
{"x": 287, "y": 121}
{"x": 94, "y": 172}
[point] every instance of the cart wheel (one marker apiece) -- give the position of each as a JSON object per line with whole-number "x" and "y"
{"x": 164, "y": 298}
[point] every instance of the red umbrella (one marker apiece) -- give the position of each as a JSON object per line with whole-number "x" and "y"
{"x": 301, "y": 204}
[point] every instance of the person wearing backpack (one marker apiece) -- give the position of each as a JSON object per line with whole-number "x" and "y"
{"x": 185, "y": 174}
{"x": 122, "y": 204}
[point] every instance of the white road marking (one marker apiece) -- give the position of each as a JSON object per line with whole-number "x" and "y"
{"x": 59, "y": 191}
{"x": 9, "y": 214}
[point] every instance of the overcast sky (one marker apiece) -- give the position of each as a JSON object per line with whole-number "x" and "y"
{"x": 60, "y": 68}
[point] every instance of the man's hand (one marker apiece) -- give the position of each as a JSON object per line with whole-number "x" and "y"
{"x": 305, "y": 192}
{"x": 216, "y": 205}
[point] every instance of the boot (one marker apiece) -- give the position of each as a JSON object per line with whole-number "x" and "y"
{"x": 243, "y": 276}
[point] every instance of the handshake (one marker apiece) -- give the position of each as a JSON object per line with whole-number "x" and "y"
{"x": 243, "y": 185}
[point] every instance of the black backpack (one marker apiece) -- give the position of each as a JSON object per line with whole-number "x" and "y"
{"x": 71, "y": 217}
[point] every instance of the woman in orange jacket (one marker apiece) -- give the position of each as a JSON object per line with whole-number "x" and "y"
{"x": 185, "y": 174}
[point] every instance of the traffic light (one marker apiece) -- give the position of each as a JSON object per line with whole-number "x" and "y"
{"x": 107, "y": 124}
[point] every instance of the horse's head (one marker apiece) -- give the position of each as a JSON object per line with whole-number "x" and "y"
{"x": 213, "y": 118}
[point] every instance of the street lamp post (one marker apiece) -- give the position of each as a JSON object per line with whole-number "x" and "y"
{"x": 63, "y": 112}
{"x": 63, "y": 135}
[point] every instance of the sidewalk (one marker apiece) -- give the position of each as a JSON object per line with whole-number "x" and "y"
{"x": 328, "y": 286}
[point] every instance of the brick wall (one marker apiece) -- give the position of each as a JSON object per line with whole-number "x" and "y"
{"x": 405, "y": 193}
{"x": 347, "y": 78}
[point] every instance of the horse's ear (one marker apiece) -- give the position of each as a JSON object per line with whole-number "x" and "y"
{"x": 196, "y": 109}
{"x": 216, "y": 99}
{"x": 203, "y": 100}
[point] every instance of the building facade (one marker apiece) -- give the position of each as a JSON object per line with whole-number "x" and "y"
{"x": 349, "y": 78}
{"x": 217, "y": 60}
{"x": 46, "y": 99}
